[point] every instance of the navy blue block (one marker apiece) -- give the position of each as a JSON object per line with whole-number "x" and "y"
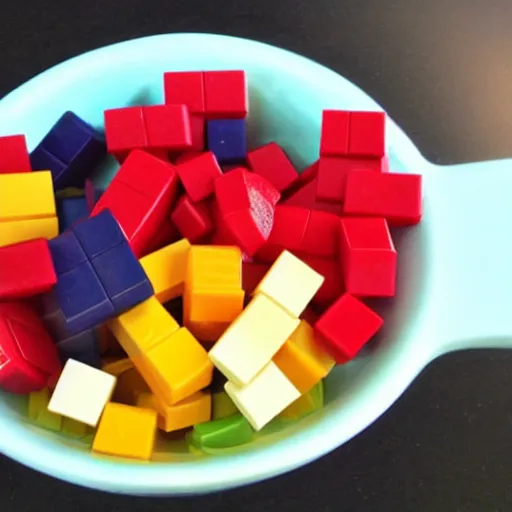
{"x": 67, "y": 253}
{"x": 123, "y": 277}
{"x": 99, "y": 234}
{"x": 71, "y": 210}
{"x": 227, "y": 140}
{"x": 82, "y": 347}
{"x": 42, "y": 160}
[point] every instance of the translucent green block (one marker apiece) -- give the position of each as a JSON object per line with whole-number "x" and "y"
{"x": 222, "y": 406}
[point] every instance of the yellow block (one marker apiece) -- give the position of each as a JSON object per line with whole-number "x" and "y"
{"x": 222, "y": 406}
{"x": 117, "y": 367}
{"x": 38, "y": 411}
{"x": 129, "y": 386}
{"x": 302, "y": 360}
{"x": 306, "y": 404}
{"x": 126, "y": 431}
{"x": 75, "y": 428}
{"x": 12, "y": 232}
{"x": 166, "y": 269}
{"x": 191, "y": 411}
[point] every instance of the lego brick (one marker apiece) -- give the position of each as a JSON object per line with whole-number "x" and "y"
{"x": 271, "y": 162}
{"x": 71, "y": 210}
{"x": 66, "y": 252}
{"x": 270, "y": 383}
{"x": 185, "y": 88}
{"x": 290, "y": 283}
{"x": 26, "y": 269}
{"x": 198, "y": 175}
{"x": 302, "y": 360}
{"x": 307, "y": 404}
{"x": 252, "y": 274}
{"x": 82, "y": 393}
{"x": 117, "y": 367}
{"x": 193, "y": 220}
{"x": 252, "y": 339}
{"x": 126, "y": 431}
{"x": 367, "y": 134}
{"x": 396, "y": 197}
{"x": 82, "y": 347}
{"x": 227, "y": 140}
{"x": 334, "y": 139}
{"x": 221, "y": 433}
{"x": 346, "y": 327}
{"x": 369, "y": 257}
{"x": 167, "y": 127}
{"x": 14, "y": 155}
{"x": 39, "y": 413}
{"x": 124, "y": 131}
{"x": 166, "y": 270}
{"x": 322, "y": 235}
{"x": 12, "y": 232}
{"x": 226, "y": 95}
{"x": 222, "y": 405}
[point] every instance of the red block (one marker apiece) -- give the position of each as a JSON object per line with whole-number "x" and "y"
{"x": 26, "y": 269}
{"x": 271, "y": 162}
{"x": 167, "y": 127}
{"x": 197, "y": 126}
{"x": 396, "y": 197}
{"x": 167, "y": 234}
{"x": 226, "y": 94}
{"x": 252, "y": 274}
{"x": 193, "y": 220}
{"x": 140, "y": 197}
{"x": 185, "y": 157}
{"x": 185, "y": 88}
{"x": 198, "y": 175}
{"x": 335, "y": 133}
{"x": 346, "y": 327}
{"x": 369, "y": 257}
{"x": 28, "y": 356}
{"x": 14, "y": 156}
{"x": 367, "y": 134}
{"x": 124, "y": 131}
{"x": 322, "y": 235}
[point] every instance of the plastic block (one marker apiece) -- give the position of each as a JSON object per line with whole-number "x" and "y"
{"x": 193, "y": 220}
{"x": 290, "y": 283}
{"x": 71, "y": 210}
{"x": 197, "y": 133}
{"x": 269, "y": 393}
{"x": 82, "y": 347}
{"x": 39, "y": 413}
{"x": 166, "y": 270}
{"x": 26, "y": 269}
{"x": 73, "y": 428}
{"x": 14, "y": 155}
{"x": 222, "y": 433}
{"x": 335, "y": 133}
{"x": 28, "y": 357}
{"x": 227, "y": 140}
{"x": 308, "y": 403}
{"x": 92, "y": 194}
{"x": 126, "y": 431}
{"x": 302, "y": 360}
{"x": 12, "y": 232}
{"x": 367, "y": 134}
{"x": 82, "y": 393}
{"x": 117, "y": 367}
{"x": 271, "y": 162}
{"x": 130, "y": 385}
{"x": 322, "y": 235}
{"x": 369, "y": 257}
{"x": 252, "y": 274}
{"x": 396, "y": 197}
{"x": 124, "y": 131}
{"x": 166, "y": 234}
{"x": 252, "y": 339}
{"x": 66, "y": 252}
{"x": 185, "y": 88}
{"x": 185, "y": 157}
{"x": 346, "y": 327}
{"x": 167, "y": 127}
{"x": 226, "y": 94}
{"x": 222, "y": 405}
{"x": 198, "y": 174}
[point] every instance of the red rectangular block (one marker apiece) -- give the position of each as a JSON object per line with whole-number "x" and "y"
{"x": 197, "y": 132}
{"x": 198, "y": 175}
{"x": 226, "y": 95}
{"x": 367, "y": 134}
{"x": 185, "y": 88}
{"x": 335, "y": 133}
{"x": 14, "y": 157}
{"x": 124, "y": 131}
{"x": 322, "y": 235}
{"x": 193, "y": 220}
{"x": 167, "y": 127}
{"x": 252, "y": 274}
{"x": 369, "y": 257}
{"x": 396, "y": 197}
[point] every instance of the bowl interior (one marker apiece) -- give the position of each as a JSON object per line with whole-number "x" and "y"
{"x": 287, "y": 95}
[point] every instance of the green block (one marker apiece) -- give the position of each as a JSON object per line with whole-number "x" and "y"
{"x": 227, "y": 432}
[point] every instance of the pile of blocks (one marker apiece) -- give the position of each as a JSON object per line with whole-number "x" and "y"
{"x": 209, "y": 289}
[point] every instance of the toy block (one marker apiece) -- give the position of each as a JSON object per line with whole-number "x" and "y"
{"x": 367, "y": 134}
{"x": 140, "y": 197}
{"x": 28, "y": 357}
{"x": 130, "y": 385}
{"x": 331, "y": 182}
{"x": 252, "y": 274}
{"x": 14, "y": 155}
{"x": 117, "y": 367}
{"x": 82, "y": 393}
{"x": 166, "y": 235}
{"x": 82, "y": 347}
{"x": 198, "y": 174}
{"x": 334, "y": 138}
{"x": 73, "y": 428}
{"x": 126, "y": 431}
{"x": 67, "y": 253}
{"x": 290, "y": 283}
{"x": 227, "y": 140}
{"x": 71, "y": 210}
{"x": 71, "y": 150}
{"x": 193, "y": 220}
{"x": 302, "y": 360}
{"x": 369, "y": 257}
{"x": 92, "y": 194}
{"x": 107, "y": 344}
{"x": 226, "y": 95}
{"x": 222, "y": 433}
{"x": 251, "y": 341}
{"x": 124, "y": 131}
{"x": 270, "y": 383}
{"x": 26, "y": 269}
{"x": 197, "y": 133}
{"x": 396, "y": 197}
{"x": 166, "y": 270}
{"x": 307, "y": 404}
{"x": 185, "y": 88}
{"x": 222, "y": 405}
{"x": 39, "y": 413}
{"x": 346, "y": 327}
{"x": 271, "y": 162}
{"x": 12, "y": 232}
{"x": 167, "y": 127}
{"x": 186, "y": 156}
{"x": 322, "y": 235}
{"x": 218, "y": 381}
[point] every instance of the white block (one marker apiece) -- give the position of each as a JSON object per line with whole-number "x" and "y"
{"x": 252, "y": 339}
{"x": 82, "y": 392}
{"x": 265, "y": 397}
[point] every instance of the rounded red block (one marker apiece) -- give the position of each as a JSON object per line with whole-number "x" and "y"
{"x": 198, "y": 175}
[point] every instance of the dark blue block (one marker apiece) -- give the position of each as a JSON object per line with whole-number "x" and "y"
{"x": 67, "y": 253}
{"x": 42, "y": 160}
{"x": 123, "y": 277}
{"x": 82, "y": 347}
{"x": 71, "y": 210}
{"x": 99, "y": 234}
{"x": 227, "y": 140}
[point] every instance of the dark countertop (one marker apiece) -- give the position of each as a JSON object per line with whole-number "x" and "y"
{"x": 443, "y": 70}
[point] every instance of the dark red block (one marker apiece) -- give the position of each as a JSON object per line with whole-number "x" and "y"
{"x": 367, "y": 134}
{"x": 185, "y": 88}
{"x": 226, "y": 94}
{"x": 185, "y": 157}
{"x": 166, "y": 234}
{"x": 335, "y": 133}
{"x": 252, "y": 274}
{"x": 197, "y": 132}
{"x": 198, "y": 175}
{"x": 167, "y": 127}
{"x": 193, "y": 220}
{"x": 124, "y": 131}
{"x": 305, "y": 196}
{"x": 322, "y": 235}
{"x": 14, "y": 157}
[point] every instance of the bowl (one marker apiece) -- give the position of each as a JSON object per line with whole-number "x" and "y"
{"x": 287, "y": 94}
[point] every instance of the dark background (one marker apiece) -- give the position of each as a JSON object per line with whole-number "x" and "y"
{"x": 443, "y": 70}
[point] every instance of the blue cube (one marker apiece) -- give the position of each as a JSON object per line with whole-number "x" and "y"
{"x": 227, "y": 140}
{"x": 70, "y": 210}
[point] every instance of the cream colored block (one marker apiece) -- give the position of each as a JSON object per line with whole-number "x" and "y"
{"x": 265, "y": 397}
{"x": 291, "y": 283}
{"x": 252, "y": 339}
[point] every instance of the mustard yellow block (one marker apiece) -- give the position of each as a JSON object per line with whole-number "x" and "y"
{"x": 70, "y": 192}
{"x": 73, "y": 428}
{"x": 166, "y": 269}
{"x": 126, "y": 431}
{"x": 306, "y": 404}
{"x": 129, "y": 386}
{"x": 39, "y": 413}
{"x": 12, "y": 232}
{"x": 107, "y": 342}
{"x": 290, "y": 283}
{"x": 302, "y": 360}
{"x": 222, "y": 406}
{"x": 117, "y": 367}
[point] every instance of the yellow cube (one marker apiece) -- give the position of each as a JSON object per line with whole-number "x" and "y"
{"x": 14, "y": 231}
{"x": 126, "y": 431}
